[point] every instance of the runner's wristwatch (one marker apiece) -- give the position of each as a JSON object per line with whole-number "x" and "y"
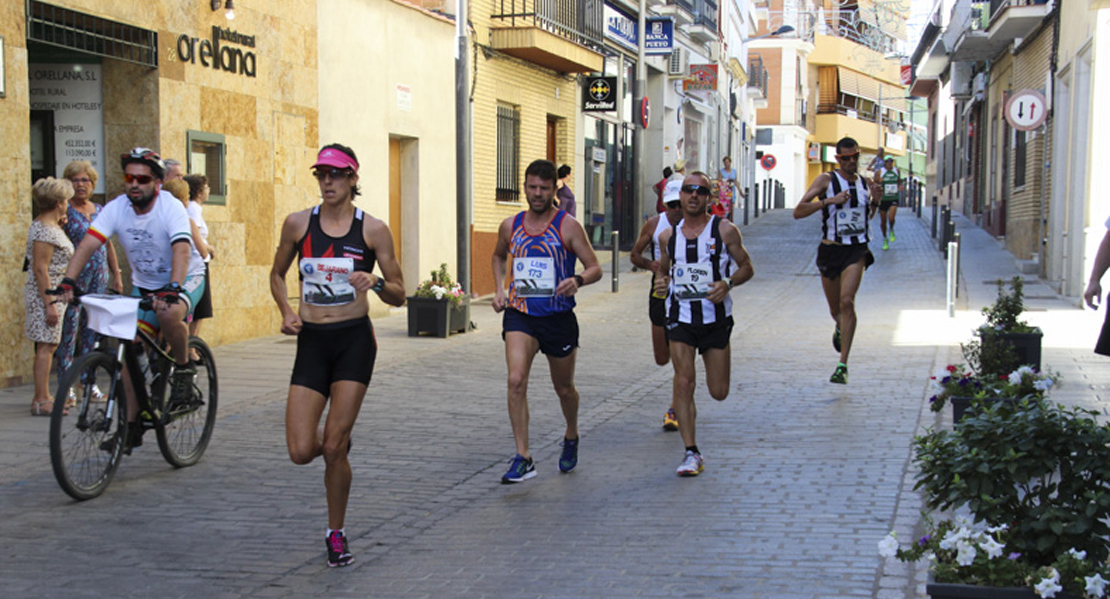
{"x": 378, "y": 285}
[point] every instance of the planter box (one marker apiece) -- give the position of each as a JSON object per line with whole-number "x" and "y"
{"x": 436, "y": 317}
{"x": 944, "y": 590}
{"x": 962, "y": 406}
{"x": 1027, "y": 347}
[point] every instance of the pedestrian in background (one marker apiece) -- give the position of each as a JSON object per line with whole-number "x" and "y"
{"x": 100, "y": 274}
{"x": 565, "y": 194}
{"x": 48, "y": 252}
{"x": 1093, "y": 294}
{"x": 660, "y": 205}
{"x": 198, "y": 196}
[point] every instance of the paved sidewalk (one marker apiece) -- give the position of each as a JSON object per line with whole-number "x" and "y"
{"x": 802, "y": 479}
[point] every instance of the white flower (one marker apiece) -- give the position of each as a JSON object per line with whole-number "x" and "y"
{"x": 965, "y": 553}
{"x": 1096, "y": 586}
{"x": 1049, "y": 586}
{"x": 1026, "y": 370}
{"x": 438, "y": 291}
{"x": 1079, "y": 555}
{"x": 998, "y": 529}
{"x": 888, "y": 547}
{"x": 992, "y": 547}
{"x": 1015, "y": 377}
{"x": 955, "y": 538}
{"x": 1042, "y": 384}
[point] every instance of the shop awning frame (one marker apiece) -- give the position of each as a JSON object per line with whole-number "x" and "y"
{"x": 65, "y": 28}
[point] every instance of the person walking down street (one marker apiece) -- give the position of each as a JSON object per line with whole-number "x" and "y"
{"x": 844, "y": 200}
{"x": 337, "y": 246}
{"x": 705, "y": 258}
{"x": 198, "y": 196}
{"x": 659, "y": 187}
{"x": 48, "y": 252}
{"x": 726, "y": 189}
{"x": 1093, "y": 293}
{"x": 889, "y": 181}
{"x": 535, "y": 256}
{"x": 565, "y": 194}
{"x": 657, "y": 300}
{"x": 100, "y": 274}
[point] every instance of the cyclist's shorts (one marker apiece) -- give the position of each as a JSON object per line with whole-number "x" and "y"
{"x": 338, "y": 351}
{"x": 191, "y": 292}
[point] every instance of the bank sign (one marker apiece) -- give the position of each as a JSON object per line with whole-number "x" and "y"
{"x": 600, "y": 94}
{"x": 622, "y": 28}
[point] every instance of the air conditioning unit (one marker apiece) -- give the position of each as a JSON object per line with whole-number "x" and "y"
{"x": 979, "y": 83}
{"x": 679, "y": 62}
{"x": 961, "y": 80}
{"x": 715, "y": 51}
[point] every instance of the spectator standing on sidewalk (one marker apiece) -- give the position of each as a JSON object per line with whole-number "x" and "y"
{"x": 659, "y": 187}
{"x": 844, "y": 199}
{"x": 338, "y": 245}
{"x": 565, "y": 193}
{"x": 543, "y": 245}
{"x": 198, "y": 195}
{"x": 699, "y": 254}
{"x": 657, "y": 300}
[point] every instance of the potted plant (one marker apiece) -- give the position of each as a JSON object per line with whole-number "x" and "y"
{"x": 1005, "y": 341}
{"x": 437, "y": 306}
{"x": 1035, "y": 485}
{"x": 966, "y": 389}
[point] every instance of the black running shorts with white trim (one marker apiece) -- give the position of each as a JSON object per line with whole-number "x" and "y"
{"x": 338, "y": 351}
{"x": 557, "y": 333}
{"x": 702, "y": 336}
{"x": 833, "y": 259}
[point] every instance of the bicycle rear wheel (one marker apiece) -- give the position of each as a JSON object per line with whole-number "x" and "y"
{"x": 86, "y": 445}
{"x": 187, "y": 428}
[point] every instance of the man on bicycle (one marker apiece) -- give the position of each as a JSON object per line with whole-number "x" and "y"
{"x": 154, "y": 230}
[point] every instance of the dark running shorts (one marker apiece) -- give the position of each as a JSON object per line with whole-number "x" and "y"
{"x": 886, "y": 204}
{"x": 1103, "y": 345}
{"x": 833, "y": 259}
{"x": 657, "y": 311}
{"x": 557, "y": 333}
{"x": 702, "y": 336}
{"x": 338, "y": 351}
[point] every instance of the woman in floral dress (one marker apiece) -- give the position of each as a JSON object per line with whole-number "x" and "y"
{"x": 48, "y": 254}
{"x": 101, "y": 272}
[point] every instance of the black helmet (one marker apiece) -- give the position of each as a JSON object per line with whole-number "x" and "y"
{"x": 145, "y": 156}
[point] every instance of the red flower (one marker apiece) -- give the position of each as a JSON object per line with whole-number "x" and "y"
{"x": 951, "y": 368}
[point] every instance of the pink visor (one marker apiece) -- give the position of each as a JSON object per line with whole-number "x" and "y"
{"x": 336, "y": 158}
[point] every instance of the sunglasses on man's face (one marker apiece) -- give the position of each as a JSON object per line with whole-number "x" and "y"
{"x": 846, "y": 157}
{"x": 140, "y": 179}
{"x": 696, "y": 189}
{"x": 334, "y": 173}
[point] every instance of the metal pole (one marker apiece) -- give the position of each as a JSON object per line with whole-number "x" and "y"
{"x": 950, "y": 284}
{"x": 753, "y": 192}
{"x": 462, "y": 154}
{"x": 934, "y": 217}
{"x": 616, "y": 261}
{"x": 956, "y": 239}
{"x": 638, "y": 93}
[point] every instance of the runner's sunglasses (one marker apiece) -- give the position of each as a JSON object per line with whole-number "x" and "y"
{"x": 140, "y": 179}
{"x": 698, "y": 189}
{"x": 334, "y": 173}
{"x": 854, "y": 156}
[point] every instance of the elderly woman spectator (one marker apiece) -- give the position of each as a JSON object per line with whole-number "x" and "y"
{"x": 100, "y": 274}
{"x": 198, "y": 195}
{"x": 48, "y": 253}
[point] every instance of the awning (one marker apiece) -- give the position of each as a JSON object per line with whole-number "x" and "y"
{"x": 855, "y": 84}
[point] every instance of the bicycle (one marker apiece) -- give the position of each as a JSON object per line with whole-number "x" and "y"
{"x": 89, "y": 439}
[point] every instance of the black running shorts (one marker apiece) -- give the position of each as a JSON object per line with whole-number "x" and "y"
{"x": 338, "y": 351}
{"x": 833, "y": 259}
{"x": 557, "y": 333}
{"x": 702, "y": 336}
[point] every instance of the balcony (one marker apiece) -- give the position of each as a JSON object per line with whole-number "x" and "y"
{"x": 561, "y": 35}
{"x": 1010, "y": 19}
{"x": 682, "y": 11}
{"x": 835, "y": 121}
{"x": 967, "y": 32}
{"x": 703, "y": 29}
{"x": 757, "y": 77}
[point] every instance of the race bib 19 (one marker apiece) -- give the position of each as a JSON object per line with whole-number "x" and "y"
{"x": 534, "y": 276}
{"x": 692, "y": 281}
{"x": 326, "y": 281}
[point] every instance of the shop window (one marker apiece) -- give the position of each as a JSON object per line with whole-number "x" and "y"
{"x": 508, "y": 153}
{"x": 208, "y": 156}
{"x": 1019, "y": 159}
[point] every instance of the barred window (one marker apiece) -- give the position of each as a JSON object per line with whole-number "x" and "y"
{"x": 508, "y": 153}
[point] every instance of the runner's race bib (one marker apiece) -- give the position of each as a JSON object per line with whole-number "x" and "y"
{"x": 326, "y": 281}
{"x": 851, "y": 221}
{"x": 534, "y": 276}
{"x": 890, "y": 189}
{"x": 692, "y": 281}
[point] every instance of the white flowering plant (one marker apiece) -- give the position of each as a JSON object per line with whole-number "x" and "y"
{"x": 966, "y": 552}
{"x": 957, "y": 380}
{"x": 440, "y": 286}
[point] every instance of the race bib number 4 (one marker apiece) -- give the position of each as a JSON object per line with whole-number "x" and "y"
{"x": 326, "y": 281}
{"x": 692, "y": 281}
{"x": 534, "y": 277}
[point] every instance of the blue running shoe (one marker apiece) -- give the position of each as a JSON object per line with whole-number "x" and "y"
{"x": 520, "y": 470}
{"x": 569, "y": 459}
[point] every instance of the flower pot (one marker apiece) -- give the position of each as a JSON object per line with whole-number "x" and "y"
{"x": 944, "y": 590}
{"x": 438, "y": 317}
{"x": 1027, "y": 347}
{"x": 962, "y": 406}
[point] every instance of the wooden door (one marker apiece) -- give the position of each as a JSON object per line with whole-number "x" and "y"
{"x": 395, "y": 224}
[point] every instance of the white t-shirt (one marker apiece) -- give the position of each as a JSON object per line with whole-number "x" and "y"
{"x": 148, "y": 238}
{"x": 195, "y": 211}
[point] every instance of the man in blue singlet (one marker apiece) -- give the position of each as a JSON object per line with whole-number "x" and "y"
{"x": 337, "y": 245}
{"x": 703, "y": 257}
{"x": 543, "y": 243}
{"x": 846, "y": 201}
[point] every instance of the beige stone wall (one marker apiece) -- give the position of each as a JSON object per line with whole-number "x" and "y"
{"x": 538, "y": 93}
{"x": 363, "y": 108}
{"x": 271, "y": 128}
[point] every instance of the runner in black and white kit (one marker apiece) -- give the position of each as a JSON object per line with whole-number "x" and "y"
{"x": 337, "y": 245}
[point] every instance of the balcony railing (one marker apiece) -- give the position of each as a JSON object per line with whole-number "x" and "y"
{"x": 706, "y": 14}
{"x": 997, "y": 6}
{"x": 580, "y": 21}
{"x": 757, "y": 74}
{"x": 980, "y": 16}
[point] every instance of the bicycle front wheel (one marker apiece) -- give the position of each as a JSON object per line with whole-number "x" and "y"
{"x": 86, "y": 445}
{"x": 187, "y": 428}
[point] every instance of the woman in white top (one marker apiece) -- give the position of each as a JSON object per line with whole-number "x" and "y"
{"x": 198, "y": 195}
